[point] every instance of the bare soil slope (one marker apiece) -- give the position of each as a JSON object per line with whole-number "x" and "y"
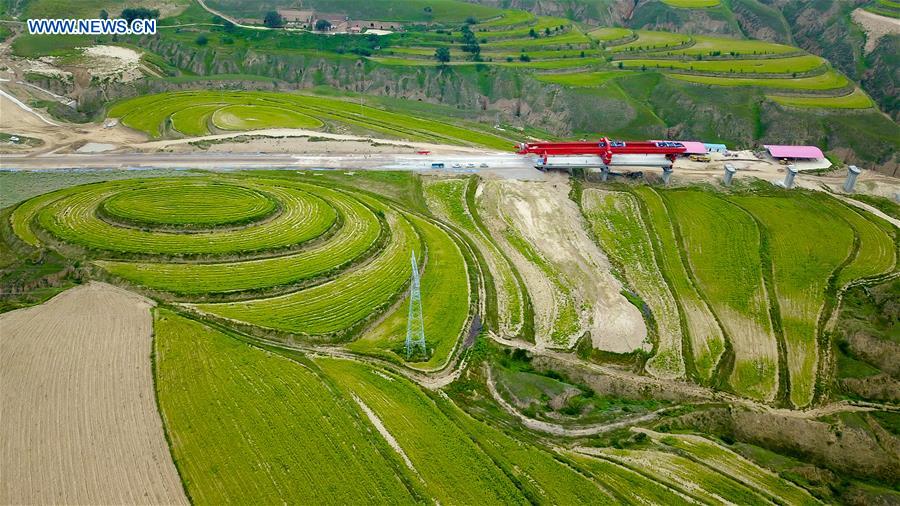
{"x": 79, "y": 422}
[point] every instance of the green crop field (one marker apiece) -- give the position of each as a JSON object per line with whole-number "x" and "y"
{"x": 704, "y": 45}
{"x": 856, "y": 100}
{"x": 445, "y": 292}
{"x": 200, "y": 205}
{"x": 609, "y": 33}
{"x": 691, "y": 4}
{"x": 877, "y": 251}
{"x": 707, "y": 342}
{"x": 616, "y": 222}
{"x": 648, "y": 40}
{"x": 190, "y": 111}
{"x": 452, "y": 466}
{"x": 447, "y": 198}
{"x": 735, "y": 466}
{"x": 807, "y": 244}
{"x": 248, "y": 426}
{"x": 584, "y": 79}
{"x": 788, "y": 65}
{"x": 722, "y": 246}
{"x": 827, "y": 81}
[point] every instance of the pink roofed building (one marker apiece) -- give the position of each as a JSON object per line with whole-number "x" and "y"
{"x": 803, "y": 152}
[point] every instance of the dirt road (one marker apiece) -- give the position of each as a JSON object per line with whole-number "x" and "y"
{"x": 79, "y": 423}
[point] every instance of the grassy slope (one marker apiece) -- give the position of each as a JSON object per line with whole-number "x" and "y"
{"x": 453, "y": 468}
{"x": 616, "y": 222}
{"x": 707, "y": 342}
{"x": 807, "y": 244}
{"x": 722, "y": 243}
{"x": 247, "y": 426}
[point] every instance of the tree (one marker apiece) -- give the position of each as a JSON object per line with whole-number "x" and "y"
{"x": 442, "y": 55}
{"x": 273, "y": 20}
{"x": 139, "y": 13}
{"x": 532, "y": 33}
{"x": 228, "y": 26}
{"x": 202, "y": 40}
{"x": 323, "y": 25}
{"x": 470, "y": 41}
{"x": 104, "y": 14}
{"x": 471, "y": 20}
{"x": 524, "y": 57}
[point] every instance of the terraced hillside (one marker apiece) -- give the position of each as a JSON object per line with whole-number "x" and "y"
{"x": 290, "y": 258}
{"x": 281, "y": 317}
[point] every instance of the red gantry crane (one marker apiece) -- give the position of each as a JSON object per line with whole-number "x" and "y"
{"x": 597, "y": 154}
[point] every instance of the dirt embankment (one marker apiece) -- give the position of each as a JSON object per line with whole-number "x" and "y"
{"x": 80, "y": 424}
{"x": 572, "y": 272}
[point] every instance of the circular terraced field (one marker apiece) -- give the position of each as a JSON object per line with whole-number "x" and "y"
{"x": 189, "y": 206}
{"x": 290, "y": 257}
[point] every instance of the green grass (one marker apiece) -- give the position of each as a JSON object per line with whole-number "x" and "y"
{"x": 722, "y": 245}
{"x": 827, "y": 81}
{"x": 652, "y": 40}
{"x": 609, "y": 33}
{"x": 73, "y": 219}
{"x": 445, "y": 302}
{"x": 255, "y": 117}
{"x": 798, "y": 64}
{"x": 411, "y": 11}
{"x": 239, "y": 110}
{"x": 730, "y": 464}
{"x": 200, "y": 205}
{"x": 630, "y": 486}
{"x": 248, "y": 426}
{"x": 615, "y": 219}
{"x": 454, "y": 469}
{"x": 359, "y": 234}
{"x": 691, "y": 4}
{"x": 877, "y": 251}
{"x": 584, "y": 79}
{"x": 337, "y": 306}
{"x": 447, "y": 198}
{"x": 707, "y": 342}
{"x": 705, "y": 45}
{"x": 807, "y": 243}
{"x": 856, "y": 100}
{"x": 675, "y": 471}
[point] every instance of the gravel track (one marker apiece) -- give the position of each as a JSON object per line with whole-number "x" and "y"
{"x": 80, "y": 423}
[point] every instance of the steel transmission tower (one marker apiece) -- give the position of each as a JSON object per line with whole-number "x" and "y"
{"x": 415, "y": 325}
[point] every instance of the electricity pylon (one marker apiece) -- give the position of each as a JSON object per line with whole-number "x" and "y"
{"x": 415, "y": 325}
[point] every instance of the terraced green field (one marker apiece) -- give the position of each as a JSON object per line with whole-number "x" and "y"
{"x": 453, "y": 467}
{"x": 249, "y": 426}
{"x": 617, "y": 224}
{"x": 707, "y": 341}
{"x": 195, "y": 112}
{"x": 807, "y": 244}
{"x": 722, "y": 245}
{"x": 788, "y": 65}
{"x": 295, "y": 257}
{"x": 827, "y": 81}
{"x": 877, "y": 251}
{"x": 189, "y": 205}
{"x": 856, "y": 100}
{"x": 445, "y": 288}
{"x": 447, "y": 198}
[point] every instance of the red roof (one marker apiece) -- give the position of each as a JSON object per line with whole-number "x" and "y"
{"x": 795, "y": 152}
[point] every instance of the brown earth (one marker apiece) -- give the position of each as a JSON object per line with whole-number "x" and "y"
{"x": 80, "y": 423}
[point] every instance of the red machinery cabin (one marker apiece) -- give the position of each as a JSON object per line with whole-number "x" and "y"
{"x": 604, "y": 148}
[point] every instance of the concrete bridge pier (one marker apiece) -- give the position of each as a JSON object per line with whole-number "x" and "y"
{"x": 729, "y": 174}
{"x": 853, "y": 172}
{"x": 667, "y": 174}
{"x": 790, "y": 176}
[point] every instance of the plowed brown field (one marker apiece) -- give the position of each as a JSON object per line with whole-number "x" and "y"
{"x": 79, "y": 422}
